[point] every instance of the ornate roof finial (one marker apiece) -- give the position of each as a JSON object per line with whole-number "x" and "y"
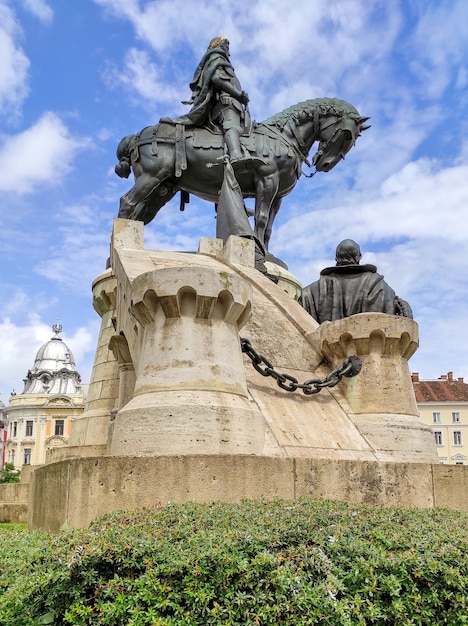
{"x": 57, "y": 328}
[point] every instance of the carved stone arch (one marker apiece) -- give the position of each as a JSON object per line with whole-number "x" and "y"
{"x": 121, "y": 350}
{"x": 59, "y": 400}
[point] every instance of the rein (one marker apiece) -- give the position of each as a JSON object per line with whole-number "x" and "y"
{"x": 297, "y": 149}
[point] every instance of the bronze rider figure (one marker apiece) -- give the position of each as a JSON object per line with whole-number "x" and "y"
{"x": 217, "y": 97}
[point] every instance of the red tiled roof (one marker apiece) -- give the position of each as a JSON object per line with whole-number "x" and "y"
{"x": 440, "y": 391}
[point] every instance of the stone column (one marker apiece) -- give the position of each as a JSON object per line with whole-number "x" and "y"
{"x": 90, "y": 430}
{"x": 381, "y": 396}
{"x": 384, "y": 343}
{"x": 190, "y": 394}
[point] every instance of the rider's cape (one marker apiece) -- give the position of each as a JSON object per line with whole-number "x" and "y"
{"x": 202, "y": 88}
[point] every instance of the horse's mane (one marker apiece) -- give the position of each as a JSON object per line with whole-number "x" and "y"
{"x": 322, "y": 106}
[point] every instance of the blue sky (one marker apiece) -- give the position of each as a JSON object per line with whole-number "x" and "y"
{"x": 75, "y": 77}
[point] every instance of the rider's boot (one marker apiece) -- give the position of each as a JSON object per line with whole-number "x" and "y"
{"x": 238, "y": 157}
{"x": 232, "y": 139}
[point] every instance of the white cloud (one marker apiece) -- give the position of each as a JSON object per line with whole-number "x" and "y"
{"x": 141, "y": 78}
{"x": 165, "y": 24}
{"x": 422, "y": 201}
{"x": 40, "y": 9}
{"x": 80, "y": 237}
{"x": 435, "y": 63}
{"x": 14, "y": 65}
{"x": 42, "y": 154}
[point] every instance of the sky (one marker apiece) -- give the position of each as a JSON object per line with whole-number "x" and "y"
{"x": 76, "y": 77}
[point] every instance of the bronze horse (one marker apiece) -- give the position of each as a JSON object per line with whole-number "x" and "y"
{"x": 166, "y": 159}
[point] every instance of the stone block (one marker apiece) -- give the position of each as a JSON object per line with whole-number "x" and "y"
{"x": 389, "y": 484}
{"x": 451, "y": 486}
{"x": 102, "y": 485}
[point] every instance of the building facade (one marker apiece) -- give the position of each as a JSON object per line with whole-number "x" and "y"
{"x": 41, "y": 416}
{"x": 443, "y": 405}
{"x": 3, "y": 433}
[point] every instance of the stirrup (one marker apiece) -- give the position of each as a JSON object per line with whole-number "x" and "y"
{"x": 246, "y": 162}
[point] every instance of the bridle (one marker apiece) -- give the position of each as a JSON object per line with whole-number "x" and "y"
{"x": 338, "y": 144}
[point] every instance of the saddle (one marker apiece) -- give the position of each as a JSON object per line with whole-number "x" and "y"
{"x": 201, "y": 138}
{"x": 258, "y": 139}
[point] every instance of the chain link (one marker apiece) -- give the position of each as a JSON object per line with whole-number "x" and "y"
{"x": 351, "y": 366}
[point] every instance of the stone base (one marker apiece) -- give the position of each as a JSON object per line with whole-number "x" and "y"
{"x": 104, "y": 484}
{"x": 13, "y": 513}
{"x": 14, "y": 501}
{"x": 71, "y": 452}
{"x": 396, "y": 438}
{"x": 184, "y": 422}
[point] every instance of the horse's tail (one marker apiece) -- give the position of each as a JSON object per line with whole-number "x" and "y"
{"x": 124, "y": 149}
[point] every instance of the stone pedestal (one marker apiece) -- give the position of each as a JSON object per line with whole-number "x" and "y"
{"x": 179, "y": 329}
{"x": 381, "y": 397}
{"x": 175, "y": 412}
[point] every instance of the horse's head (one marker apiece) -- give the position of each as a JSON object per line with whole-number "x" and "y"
{"x": 337, "y": 136}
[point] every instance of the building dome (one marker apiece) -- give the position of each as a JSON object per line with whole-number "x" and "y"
{"x": 54, "y": 369}
{"x": 54, "y": 355}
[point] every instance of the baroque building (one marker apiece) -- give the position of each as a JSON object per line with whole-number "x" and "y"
{"x": 3, "y": 433}
{"x": 443, "y": 405}
{"x": 41, "y": 416}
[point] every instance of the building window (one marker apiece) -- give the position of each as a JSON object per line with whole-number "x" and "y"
{"x": 15, "y": 429}
{"x": 438, "y": 437}
{"x": 456, "y": 418}
{"x": 29, "y": 428}
{"x": 436, "y": 418}
{"x": 27, "y": 456}
{"x": 457, "y": 438}
{"x": 459, "y": 463}
{"x": 59, "y": 427}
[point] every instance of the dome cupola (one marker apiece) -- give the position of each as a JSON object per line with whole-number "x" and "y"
{"x": 54, "y": 369}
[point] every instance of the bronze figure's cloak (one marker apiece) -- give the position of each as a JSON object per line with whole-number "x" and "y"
{"x": 346, "y": 290}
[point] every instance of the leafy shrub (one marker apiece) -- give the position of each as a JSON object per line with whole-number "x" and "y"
{"x": 9, "y": 474}
{"x": 255, "y": 563}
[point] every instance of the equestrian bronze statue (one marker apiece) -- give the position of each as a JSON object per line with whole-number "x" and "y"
{"x": 186, "y": 154}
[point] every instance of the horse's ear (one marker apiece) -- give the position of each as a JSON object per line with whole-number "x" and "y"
{"x": 361, "y": 120}
{"x": 365, "y": 127}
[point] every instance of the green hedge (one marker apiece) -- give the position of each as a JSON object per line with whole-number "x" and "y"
{"x": 255, "y": 563}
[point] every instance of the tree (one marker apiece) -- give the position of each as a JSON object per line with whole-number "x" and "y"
{"x": 9, "y": 474}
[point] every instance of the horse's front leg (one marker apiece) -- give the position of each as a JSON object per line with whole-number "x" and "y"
{"x": 133, "y": 203}
{"x": 130, "y": 200}
{"x": 274, "y": 208}
{"x": 266, "y": 191}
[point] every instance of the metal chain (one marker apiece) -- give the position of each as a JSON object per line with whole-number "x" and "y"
{"x": 350, "y": 367}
